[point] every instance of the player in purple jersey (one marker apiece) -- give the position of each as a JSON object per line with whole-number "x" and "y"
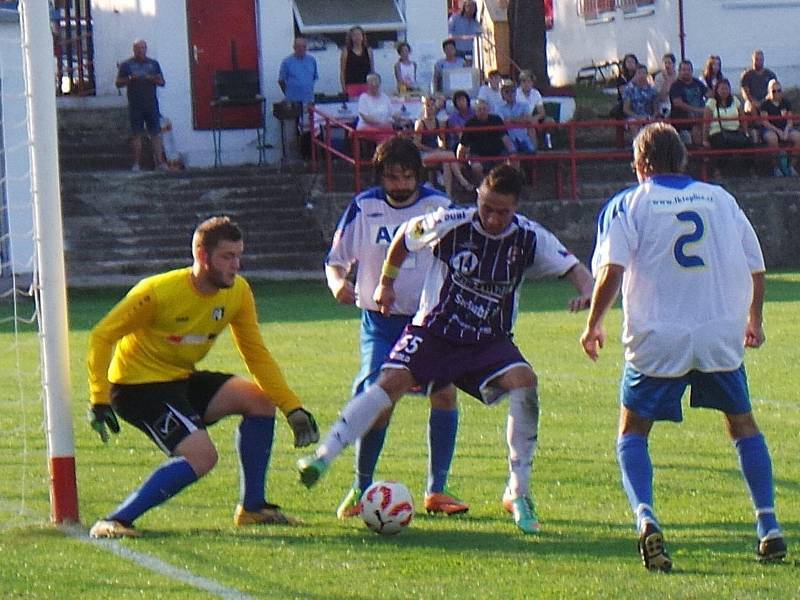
{"x": 462, "y": 331}
{"x": 360, "y": 244}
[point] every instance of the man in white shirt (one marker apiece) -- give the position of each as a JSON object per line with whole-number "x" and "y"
{"x": 490, "y": 92}
{"x": 692, "y": 277}
{"x": 374, "y": 106}
{"x": 527, "y": 93}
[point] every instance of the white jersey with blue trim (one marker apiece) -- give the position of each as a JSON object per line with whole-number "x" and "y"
{"x": 363, "y": 236}
{"x": 689, "y": 253}
{"x": 472, "y": 287}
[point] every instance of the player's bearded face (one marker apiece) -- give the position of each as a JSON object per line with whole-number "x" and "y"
{"x": 400, "y": 184}
{"x": 495, "y": 210}
{"x": 224, "y": 263}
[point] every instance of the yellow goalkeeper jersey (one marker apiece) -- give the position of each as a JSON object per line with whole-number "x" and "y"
{"x": 164, "y": 325}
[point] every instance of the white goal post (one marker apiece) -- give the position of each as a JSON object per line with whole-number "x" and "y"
{"x": 50, "y": 281}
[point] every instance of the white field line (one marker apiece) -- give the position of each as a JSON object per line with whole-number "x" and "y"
{"x": 22, "y": 517}
{"x": 157, "y": 565}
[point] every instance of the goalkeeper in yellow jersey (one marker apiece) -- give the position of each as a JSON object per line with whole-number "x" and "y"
{"x": 141, "y": 364}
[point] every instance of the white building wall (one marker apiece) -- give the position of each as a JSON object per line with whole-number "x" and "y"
{"x": 728, "y": 28}
{"x": 162, "y": 23}
{"x": 14, "y": 116}
{"x": 574, "y": 43}
{"x": 740, "y": 26}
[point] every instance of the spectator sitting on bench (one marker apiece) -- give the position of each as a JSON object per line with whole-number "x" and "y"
{"x": 712, "y": 73}
{"x": 513, "y": 111}
{"x": 527, "y": 92}
{"x": 477, "y": 144}
{"x": 375, "y": 114}
{"x": 432, "y": 147}
{"x": 754, "y": 87}
{"x": 663, "y": 82}
{"x": 462, "y": 113}
{"x": 688, "y": 98}
{"x": 627, "y": 71}
{"x": 639, "y": 98}
{"x": 722, "y": 121}
{"x": 490, "y": 91}
{"x": 775, "y": 131}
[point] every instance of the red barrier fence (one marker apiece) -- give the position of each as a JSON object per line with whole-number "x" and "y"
{"x": 326, "y": 126}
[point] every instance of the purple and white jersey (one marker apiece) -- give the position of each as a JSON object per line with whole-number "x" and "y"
{"x": 363, "y": 236}
{"x": 472, "y": 287}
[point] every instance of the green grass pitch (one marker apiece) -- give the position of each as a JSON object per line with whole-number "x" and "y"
{"x": 587, "y": 545}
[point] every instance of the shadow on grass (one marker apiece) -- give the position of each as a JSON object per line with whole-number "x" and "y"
{"x": 734, "y": 548}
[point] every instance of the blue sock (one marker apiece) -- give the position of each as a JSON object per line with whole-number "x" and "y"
{"x": 368, "y": 449}
{"x": 163, "y": 483}
{"x": 254, "y": 444}
{"x": 757, "y": 470}
{"x": 637, "y": 475}
{"x": 442, "y": 429}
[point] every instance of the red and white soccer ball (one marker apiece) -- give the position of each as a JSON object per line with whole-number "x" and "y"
{"x": 387, "y": 507}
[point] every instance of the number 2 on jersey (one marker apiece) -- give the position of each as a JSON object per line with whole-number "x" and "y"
{"x": 689, "y": 260}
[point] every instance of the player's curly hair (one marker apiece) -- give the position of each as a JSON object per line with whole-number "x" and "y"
{"x": 397, "y": 151}
{"x": 658, "y": 148}
{"x": 213, "y": 230}
{"x": 504, "y": 179}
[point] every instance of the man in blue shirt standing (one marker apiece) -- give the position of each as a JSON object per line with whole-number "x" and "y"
{"x": 298, "y": 74}
{"x": 142, "y": 76}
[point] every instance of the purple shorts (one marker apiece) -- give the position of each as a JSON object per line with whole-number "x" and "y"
{"x": 435, "y": 361}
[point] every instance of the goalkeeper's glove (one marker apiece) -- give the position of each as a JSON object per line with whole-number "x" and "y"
{"x": 304, "y": 427}
{"x": 101, "y": 415}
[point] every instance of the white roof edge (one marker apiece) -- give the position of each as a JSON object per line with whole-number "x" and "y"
{"x": 344, "y": 28}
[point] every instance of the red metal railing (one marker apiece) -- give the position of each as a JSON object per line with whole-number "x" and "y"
{"x": 571, "y": 155}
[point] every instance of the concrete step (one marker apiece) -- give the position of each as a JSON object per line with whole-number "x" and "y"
{"x": 92, "y": 118}
{"x": 192, "y": 179}
{"x": 178, "y": 243}
{"x": 303, "y": 261}
{"x": 267, "y": 197}
{"x": 97, "y": 161}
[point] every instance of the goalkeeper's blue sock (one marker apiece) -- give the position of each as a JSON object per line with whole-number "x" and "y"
{"x": 166, "y": 481}
{"x": 442, "y": 430}
{"x": 368, "y": 449}
{"x": 637, "y": 475}
{"x": 757, "y": 470}
{"x": 254, "y": 445}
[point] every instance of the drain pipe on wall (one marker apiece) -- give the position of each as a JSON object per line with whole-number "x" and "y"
{"x": 681, "y": 30}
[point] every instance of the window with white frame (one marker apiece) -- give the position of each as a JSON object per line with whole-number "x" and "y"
{"x": 631, "y": 6}
{"x": 594, "y": 9}
{"x": 315, "y": 17}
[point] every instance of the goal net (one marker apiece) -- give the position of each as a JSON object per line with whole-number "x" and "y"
{"x": 36, "y": 443}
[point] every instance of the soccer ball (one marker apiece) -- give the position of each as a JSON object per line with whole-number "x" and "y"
{"x": 387, "y": 507}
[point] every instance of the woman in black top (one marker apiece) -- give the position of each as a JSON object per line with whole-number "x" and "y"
{"x": 626, "y": 72}
{"x": 356, "y": 60}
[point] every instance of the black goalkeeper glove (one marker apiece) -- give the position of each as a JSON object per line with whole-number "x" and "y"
{"x": 101, "y": 415}
{"x": 304, "y": 427}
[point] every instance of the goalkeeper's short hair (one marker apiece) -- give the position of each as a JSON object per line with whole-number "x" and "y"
{"x": 213, "y": 230}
